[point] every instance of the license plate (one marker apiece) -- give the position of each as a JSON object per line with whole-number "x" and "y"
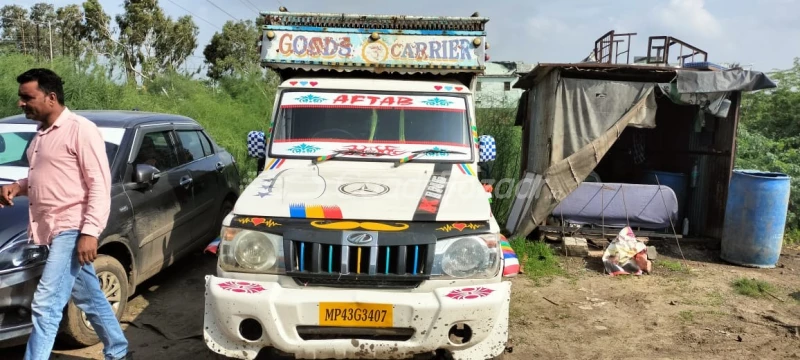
{"x": 355, "y": 314}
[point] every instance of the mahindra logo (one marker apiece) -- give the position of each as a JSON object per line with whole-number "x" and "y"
{"x": 359, "y": 238}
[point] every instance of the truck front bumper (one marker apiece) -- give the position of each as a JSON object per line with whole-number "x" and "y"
{"x": 288, "y": 319}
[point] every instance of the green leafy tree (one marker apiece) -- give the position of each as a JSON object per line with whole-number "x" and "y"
{"x": 69, "y": 20}
{"x": 769, "y": 136}
{"x": 17, "y": 28}
{"x": 150, "y": 41}
{"x": 176, "y": 43}
{"x": 43, "y": 16}
{"x": 96, "y": 31}
{"x": 233, "y": 51}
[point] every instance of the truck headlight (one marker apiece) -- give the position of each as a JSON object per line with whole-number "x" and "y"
{"x": 243, "y": 250}
{"x": 476, "y": 257}
{"x": 19, "y": 253}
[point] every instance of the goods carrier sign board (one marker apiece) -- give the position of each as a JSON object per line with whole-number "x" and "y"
{"x": 461, "y": 50}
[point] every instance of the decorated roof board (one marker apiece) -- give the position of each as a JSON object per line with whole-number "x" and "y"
{"x": 373, "y": 42}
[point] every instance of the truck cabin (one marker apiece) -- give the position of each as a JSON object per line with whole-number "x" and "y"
{"x": 373, "y": 79}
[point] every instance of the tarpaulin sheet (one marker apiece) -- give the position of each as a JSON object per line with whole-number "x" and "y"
{"x": 585, "y": 109}
{"x": 619, "y": 205}
{"x": 691, "y": 81}
{"x": 581, "y": 137}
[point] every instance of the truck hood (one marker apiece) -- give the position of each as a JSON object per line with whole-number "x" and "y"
{"x": 367, "y": 191}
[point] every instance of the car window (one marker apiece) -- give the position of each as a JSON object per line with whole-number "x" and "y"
{"x": 206, "y": 143}
{"x": 157, "y": 150}
{"x": 191, "y": 147}
{"x": 15, "y": 145}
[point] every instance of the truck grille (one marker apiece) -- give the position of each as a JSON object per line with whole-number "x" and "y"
{"x": 324, "y": 263}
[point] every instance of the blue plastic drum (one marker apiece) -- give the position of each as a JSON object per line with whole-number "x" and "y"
{"x": 755, "y": 218}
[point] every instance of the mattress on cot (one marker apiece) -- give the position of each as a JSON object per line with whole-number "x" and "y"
{"x": 641, "y": 206}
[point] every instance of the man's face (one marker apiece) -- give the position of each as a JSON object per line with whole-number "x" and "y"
{"x": 34, "y": 102}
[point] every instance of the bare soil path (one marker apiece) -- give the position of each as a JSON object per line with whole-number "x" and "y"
{"x": 673, "y": 313}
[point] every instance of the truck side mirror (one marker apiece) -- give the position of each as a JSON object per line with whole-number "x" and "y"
{"x": 256, "y": 144}
{"x": 488, "y": 149}
{"x": 257, "y": 148}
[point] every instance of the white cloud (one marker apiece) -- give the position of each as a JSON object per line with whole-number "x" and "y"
{"x": 689, "y": 17}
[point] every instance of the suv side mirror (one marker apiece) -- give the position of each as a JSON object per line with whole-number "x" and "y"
{"x": 488, "y": 149}
{"x": 2, "y": 144}
{"x": 146, "y": 174}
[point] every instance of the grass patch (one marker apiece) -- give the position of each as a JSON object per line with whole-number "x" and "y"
{"x": 716, "y": 298}
{"x": 671, "y": 265}
{"x": 686, "y": 315}
{"x": 752, "y": 287}
{"x": 537, "y": 258}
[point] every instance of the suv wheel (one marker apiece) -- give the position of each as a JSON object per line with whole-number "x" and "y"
{"x": 113, "y": 279}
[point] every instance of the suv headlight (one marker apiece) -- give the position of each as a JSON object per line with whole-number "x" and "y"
{"x": 243, "y": 250}
{"x": 475, "y": 257}
{"x": 19, "y": 253}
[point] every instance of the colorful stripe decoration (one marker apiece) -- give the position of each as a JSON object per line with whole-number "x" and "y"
{"x": 326, "y": 158}
{"x": 275, "y": 164}
{"x": 510, "y": 261}
{"x": 466, "y": 169}
{"x": 304, "y": 211}
{"x": 213, "y": 246}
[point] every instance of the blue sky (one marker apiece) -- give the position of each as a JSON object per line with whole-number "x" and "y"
{"x": 761, "y": 33}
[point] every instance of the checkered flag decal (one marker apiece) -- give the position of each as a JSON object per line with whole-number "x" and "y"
{"x": 256, "y": 146}
{"x": 488, "y": 148}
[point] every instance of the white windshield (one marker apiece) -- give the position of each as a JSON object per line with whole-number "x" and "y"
{"x": 386, "y": 125}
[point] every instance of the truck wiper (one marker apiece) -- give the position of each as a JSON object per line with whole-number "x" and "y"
{"x": 424, "y": 152}
{"x": 332, "y": 155}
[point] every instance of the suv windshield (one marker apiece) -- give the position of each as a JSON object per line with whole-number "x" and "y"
{"x": 14, "y": 145}
{"x": 12, "y": 148}
{"x": 371, "y": 124}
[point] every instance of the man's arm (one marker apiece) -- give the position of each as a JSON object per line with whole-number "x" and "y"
{"x": 93, "y": 162}
{"x": 23, "y": 187}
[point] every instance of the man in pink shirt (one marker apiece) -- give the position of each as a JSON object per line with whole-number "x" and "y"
{"x": 69, "y": 189}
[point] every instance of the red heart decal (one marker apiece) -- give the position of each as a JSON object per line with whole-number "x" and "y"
{"x": 437, "y": 87}
{"x": 293, "y": 83}
{"x": 259, "y": 221}
{"x": 459, "y": 226}
{"x": 459, "y": 88}
{"x": 313, "y": 83}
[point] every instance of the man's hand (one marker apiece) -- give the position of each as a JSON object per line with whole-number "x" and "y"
{"x": 87, "y": 249}
{"x": 7, "y": 194}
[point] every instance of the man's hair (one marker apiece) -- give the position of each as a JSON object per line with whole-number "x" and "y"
{"x": 48, "y": 82}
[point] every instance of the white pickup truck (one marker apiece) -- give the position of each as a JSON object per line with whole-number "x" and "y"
{"x": 368, "y": 233}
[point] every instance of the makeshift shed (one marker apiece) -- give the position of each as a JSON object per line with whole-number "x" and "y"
{"x": 620, "y": 122}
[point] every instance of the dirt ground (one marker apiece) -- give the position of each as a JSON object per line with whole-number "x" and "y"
{"x": 673, "y": 313}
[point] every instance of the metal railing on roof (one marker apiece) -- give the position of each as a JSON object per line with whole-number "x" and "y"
{"x": 357, "y": 21}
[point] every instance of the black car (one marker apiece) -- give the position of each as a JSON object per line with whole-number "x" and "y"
{"x": 171, "y": 187}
